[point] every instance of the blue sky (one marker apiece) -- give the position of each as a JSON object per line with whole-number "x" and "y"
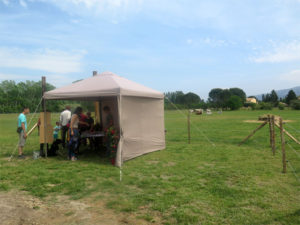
{"x": 168, "y": 45}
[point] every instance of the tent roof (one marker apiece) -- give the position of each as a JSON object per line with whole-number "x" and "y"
{"x": 106, "y": 84}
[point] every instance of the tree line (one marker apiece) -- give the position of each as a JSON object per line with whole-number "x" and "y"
{"x": 230, "y": 99}
{"x": 14, "y": 96}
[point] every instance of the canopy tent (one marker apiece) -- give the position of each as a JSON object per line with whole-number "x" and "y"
{"x": 139, "y": 111}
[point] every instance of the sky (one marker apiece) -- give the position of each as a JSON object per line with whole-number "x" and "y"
{"x": 167, "y": 45}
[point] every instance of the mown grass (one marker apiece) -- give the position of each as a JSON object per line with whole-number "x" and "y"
{"x": 196, "y": 183}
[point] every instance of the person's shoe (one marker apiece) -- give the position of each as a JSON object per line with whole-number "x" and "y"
{"x": 73, "y": 159}
{"x": 21, "y": 156}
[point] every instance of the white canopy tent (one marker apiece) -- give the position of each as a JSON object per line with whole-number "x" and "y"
{"x": 138, "y": 111}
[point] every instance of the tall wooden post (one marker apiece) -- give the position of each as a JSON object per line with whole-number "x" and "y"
{"x": 282, "y": 146}
{"x": 270, "y": 129}
{"x": 97, "y": 106}
{"x": 273, "y": 134}
{"x": 45, "y": 117}
{"x": 189, "y": 126}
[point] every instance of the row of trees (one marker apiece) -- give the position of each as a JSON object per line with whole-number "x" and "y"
{"x": 14, "y": 96}
{"x": 290, "y": 99}
{"x": 232, "y": 98}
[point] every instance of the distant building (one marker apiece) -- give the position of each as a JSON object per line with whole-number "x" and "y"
{"x": 251, "y": 100}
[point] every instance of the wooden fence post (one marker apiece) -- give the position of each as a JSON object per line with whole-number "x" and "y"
{"x": 270, "y": 129}
{"x": 189, "y": 126}
{"x": 273, "y": 134}
{"x": 282, "y": 146}
{"x": 45, "y": 117}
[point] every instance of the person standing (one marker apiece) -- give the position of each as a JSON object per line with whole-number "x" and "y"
{"x": 22, "y": 130}
{"x": 64, "y": 120}
{"x": 74, "y": 133}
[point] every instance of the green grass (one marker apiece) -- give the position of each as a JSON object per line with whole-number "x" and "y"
{"x": 195, "y": 183}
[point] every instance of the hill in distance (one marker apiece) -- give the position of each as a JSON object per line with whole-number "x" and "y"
{"x": 282, "y": 93}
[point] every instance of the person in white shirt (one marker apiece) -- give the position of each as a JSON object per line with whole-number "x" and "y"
{"x": 64, "y": 121}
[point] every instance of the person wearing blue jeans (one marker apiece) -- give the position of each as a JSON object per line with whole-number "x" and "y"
{"x": 74, "y": 133}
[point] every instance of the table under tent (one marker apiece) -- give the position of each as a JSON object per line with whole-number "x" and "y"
{"x": 138, "y": 111}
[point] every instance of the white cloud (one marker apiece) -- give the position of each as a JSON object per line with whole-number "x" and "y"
{"x": 54, "y": 79}
{"x": 5, "y": 2}
{"x": 53, "y": 61}
{"x": 60, "y": 80}
{"x": 23, "y": 3}
{"x": 285, "y": 52}
{"x": 293, "y": 76}
{"x": 10, "y": 76}
{"x": 97, "y": 7}
{"x": 208, "y": 42}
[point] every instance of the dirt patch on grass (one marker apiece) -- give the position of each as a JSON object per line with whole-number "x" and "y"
{"x": 22, "y": 209}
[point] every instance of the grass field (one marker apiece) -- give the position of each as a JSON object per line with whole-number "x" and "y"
{"x": 210, "y": 181}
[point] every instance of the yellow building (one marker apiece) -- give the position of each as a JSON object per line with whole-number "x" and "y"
{"x": 251, "y": 100}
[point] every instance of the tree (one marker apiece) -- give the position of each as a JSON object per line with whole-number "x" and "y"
{"x": 290, "y": 97}
{"x": 225, "y": 96}
{"x": 215, "y": 96}
{"x": 234, "y": 102}
{"x": 191, "y": 98}
{"x": 274, "y": 97}
{"x": 295, "y": 104}
{"x": 220, "y": 97}
{"x": 13, "y": 96}
{"x": 238, "y": 92}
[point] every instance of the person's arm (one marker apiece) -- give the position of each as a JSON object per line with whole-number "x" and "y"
{"x": 60, "y": 119}
{"x": 72, "y": 122}
{"x": 23, "y": 127}
{"x": 83, "y": 123}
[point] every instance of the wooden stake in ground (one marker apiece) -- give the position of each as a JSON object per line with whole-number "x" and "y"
{"x": 253, "y": 132}
{"x": 189, "y": 127}
{"x": 270, "y": 128}
{"x": 273, "y": 134}
{"x": 282, "y": 146}
{"x": 44, "y": 109}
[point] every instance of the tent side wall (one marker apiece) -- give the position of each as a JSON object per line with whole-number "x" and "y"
{"x": 142, "y": 125}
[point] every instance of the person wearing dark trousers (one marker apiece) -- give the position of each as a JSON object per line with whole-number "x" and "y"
{"x": 64, "y": 121}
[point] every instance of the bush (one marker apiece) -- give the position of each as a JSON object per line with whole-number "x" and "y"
{"x": 234, "y": 102}
{"x": 281, "y": 106}
{"x": 251, "y": 105}
{"x": 295, "y": 104}
{"x": 264, "y": 106}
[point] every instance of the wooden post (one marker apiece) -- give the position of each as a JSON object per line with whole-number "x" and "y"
{"x": 282, "y": 146}
{"x": 97, "y": 106}
{"x": 273, "y": 134}
{"x": 189, "y": 126}
{"x": 253, "y": 132}
{"x": 270, "y": 128}
{"x": 45, "y": 118}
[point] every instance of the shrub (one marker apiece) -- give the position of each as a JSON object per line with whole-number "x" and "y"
{"x": 251, "y": 105}
{"x": 264, "y": 106}
{"x": 295, "y": 104}
{"x": 281, "y": 106}
{"x": 234, "y": 102}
